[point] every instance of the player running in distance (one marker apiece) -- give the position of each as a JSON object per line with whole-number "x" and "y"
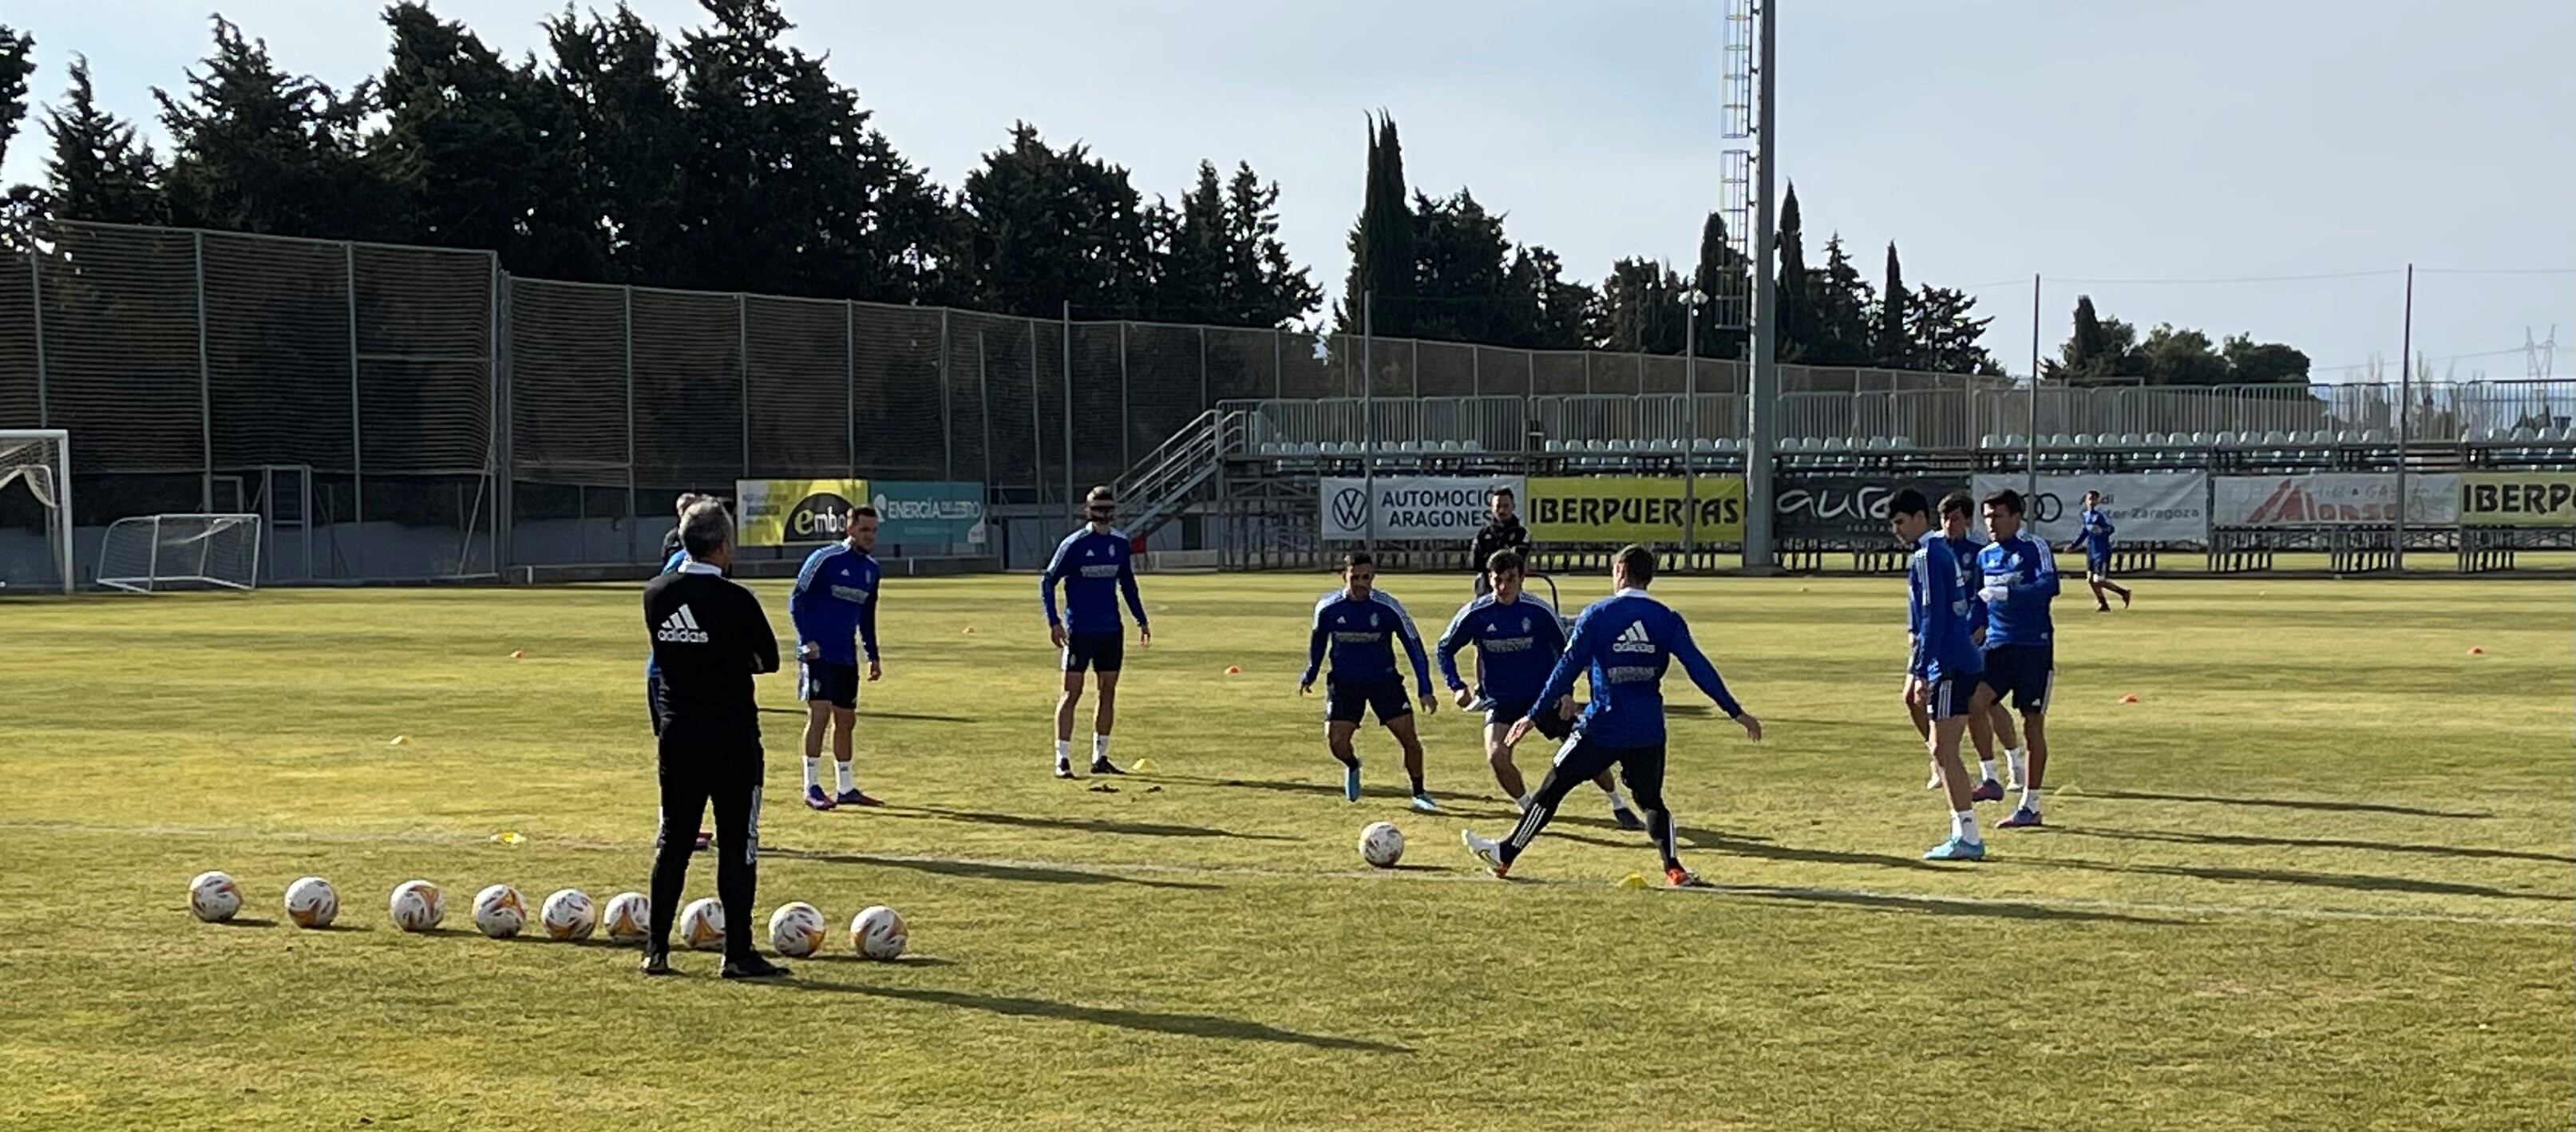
{"x": 2019, "y": 579}
{"x": 1095, "y": 565}
{"x": 1945, "y": 672}
{"x": 836, "y": 597}
{"x": 1623, "y": 644}
{"x": 2095, "y": 542}
{"x": 1359, "y": 626}
{"x": 1517, "y": 639}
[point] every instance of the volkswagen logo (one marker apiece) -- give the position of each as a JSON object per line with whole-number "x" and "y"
{"x": 1350, "y": 508}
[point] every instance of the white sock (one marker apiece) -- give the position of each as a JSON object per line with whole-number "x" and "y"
{"x": 2013, "y": 759}
{"x": 1521, "y": 804}
{"x": 1616, "y": 802}
{"x": 1099, "y": 747}
{"x": 2030, "y": 798}
{"x": 1963, "y": 825}
{"x": 813, "y": 772}
{"x": 1063, "y": 751}
{"x": 849, "y": 781}
{"x": 1986, "y": 767}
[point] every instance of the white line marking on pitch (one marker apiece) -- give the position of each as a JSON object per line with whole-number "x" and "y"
{"x": 1113, "y": 869}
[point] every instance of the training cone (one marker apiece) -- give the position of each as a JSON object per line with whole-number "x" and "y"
{"x": 1237, "y": 669}
{"x": 1632, "y": 880}
{"x": 1141, "y": 766}
{"x": 2131, "y": 698}
{"x": 400, "y": 741}
{"x": 518, "y": 654}
{"x": 507, "y": 837}
{"x": 2476, "y": 651}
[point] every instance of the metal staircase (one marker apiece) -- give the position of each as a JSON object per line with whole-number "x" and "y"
{"x": 1164, "y": 484}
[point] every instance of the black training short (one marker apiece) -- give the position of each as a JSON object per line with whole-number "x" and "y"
{"x": 653, "y": 698}
{"x": 2027, "y": 673}
{"x": 824, "y": 680}
{"x": 1097, "y": 652}
{"x": 1343, "y": 702}
{"x": 1508, "y": 712}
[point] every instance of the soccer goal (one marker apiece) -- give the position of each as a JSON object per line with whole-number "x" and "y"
{"x": 37, "y": 463}
{"x": 162, "y": 552}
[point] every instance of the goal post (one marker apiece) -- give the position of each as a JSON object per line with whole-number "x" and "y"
{"x": 37, "y": 463}
{"x": 146, "y": 553}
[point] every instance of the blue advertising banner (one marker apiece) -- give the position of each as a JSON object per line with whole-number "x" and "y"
{"x": 922, "y": 512}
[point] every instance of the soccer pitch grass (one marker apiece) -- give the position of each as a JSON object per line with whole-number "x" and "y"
{"x": 2319, "y": 876}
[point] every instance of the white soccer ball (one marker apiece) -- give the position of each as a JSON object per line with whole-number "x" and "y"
{"x": 213, "y": 897}
{"x": 877, "y": 933}
{"x": 312, "y": 903}
{"x": 628, "y": 918}
{"x": 418, "y": 906}
{"x": 702, "y": 925}
{"x": 568, "y": 915}
{"x": 498, "y": 911}
{"x": 1382, "y": 845}
{"x": 796, "y": 930}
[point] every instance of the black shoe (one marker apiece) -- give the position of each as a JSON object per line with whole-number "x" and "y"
{"x": 1104, "y": 766}
{"x": 656, "y": 962}
{"x": 753, "y": 967}
{"x": 1064, "y": 770}
{"x": 1627, "y": 818}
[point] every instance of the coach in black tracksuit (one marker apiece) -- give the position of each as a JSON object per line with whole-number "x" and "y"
{"x": 1502, "y": 531}
{"x": 710, "y": 637}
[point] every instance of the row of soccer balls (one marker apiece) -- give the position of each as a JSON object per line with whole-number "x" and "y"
{"x": 796, "y": 929}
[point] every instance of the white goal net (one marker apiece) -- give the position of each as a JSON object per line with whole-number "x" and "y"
{"x": 164, "y": 552}
{"x": 35, "y": 510}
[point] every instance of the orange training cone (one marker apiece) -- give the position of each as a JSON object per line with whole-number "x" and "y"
{"x": 2130, "y": 698}
{"x": 1234, "y": 670}
{"x": 518, "y": 654}
{"x": 2476, "y": 651}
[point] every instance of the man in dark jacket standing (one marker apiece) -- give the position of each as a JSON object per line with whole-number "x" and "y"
{"x": 710, "y": 637}
{"x": 1502, "y": 531}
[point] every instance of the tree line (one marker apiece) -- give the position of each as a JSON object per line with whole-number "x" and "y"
{"x": 724, "y": 159}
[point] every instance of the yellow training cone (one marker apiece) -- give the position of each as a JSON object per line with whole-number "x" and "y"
{"x": 400, "y": 741}
{"x": 1142, "y": 765}
{"x": 1632, "y": 880}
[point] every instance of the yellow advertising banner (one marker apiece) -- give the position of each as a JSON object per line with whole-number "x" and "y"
{"x": 2518, "y": 499}
{"x": 788, "y": 512}
{"x": 1633, "y": 508}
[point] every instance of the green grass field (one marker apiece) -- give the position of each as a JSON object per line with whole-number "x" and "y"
{"x": 2318, "y": 877}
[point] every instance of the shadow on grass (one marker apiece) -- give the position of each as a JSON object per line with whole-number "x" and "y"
{"x": 2285, "y": 804}
{"x": 989, "y": 870}
{"x": 1769, "y": 851}
{"x": 2180, "y": 838}
{"x": 865, "y": 713}
{"x": 1935, "y": 906}
{"x": 844, "y": 958}
{"x": 1079, "y": 825}
{"x": 244, "y": 922}
{"x": 2356, "y": 882}
{"x": 1184, "y": 1025}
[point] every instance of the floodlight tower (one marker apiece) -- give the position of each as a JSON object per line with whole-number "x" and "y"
{"x": 1747, "y": 178}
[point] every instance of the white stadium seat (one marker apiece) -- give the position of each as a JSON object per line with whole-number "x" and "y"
{"x": 2275, "y": 439}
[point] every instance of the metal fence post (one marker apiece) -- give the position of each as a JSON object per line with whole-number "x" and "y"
{"x": 1065, "y": 380}
{"x": 1204, "y": 403}
{"x": 36, "y": 299}
{"x": 1126, "y": 435}
{"x": 635, "y": 530}
{"x": 850, "y": 384}
{"x": 984, "y": 414}
{"x": 205, "y": 385}
{"x": 1278, "y": 364}
{"x": 742, "y": 362}
{"x": 503, "y": 441}
{"x": 357, "y": 450}
{"x": 947, "y": 419}
{"x": 1037, "y": 420}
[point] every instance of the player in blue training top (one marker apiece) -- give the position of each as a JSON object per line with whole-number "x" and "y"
{"x": 1359, "y": 627}
{"x": 1945, "y": 674}
{"x": 2095, "y": 541}
{"x": 2019, "y": 578}
{"x": 1517, "y": 639}
{"x": 1958, "y": 511}
{"x": 835, "y": 598}
{"x": 1623, "y": 644}
{"x": 1096, "y": 566}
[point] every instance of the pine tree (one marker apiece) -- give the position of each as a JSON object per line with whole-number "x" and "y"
{"x": 1894, "y": 349}
{"x": 1794, "y": 304}
{"x": 100, "y": 170}
{"x": 1382, "y": 243}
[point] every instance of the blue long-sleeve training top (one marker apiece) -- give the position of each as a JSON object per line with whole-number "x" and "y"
{"x": 2097, "y": 533}
{"x": 1360, "y": 635}
{"x": 1937, "y": 612}
{"x": 2020, "y": 576}
{"x": 1095, "y": 569}
{"x": 1519, "y": 641}
{"x": 1966, "y": 548}
{"x": 835, "y": 598}
{"x": 1624, "y": 642}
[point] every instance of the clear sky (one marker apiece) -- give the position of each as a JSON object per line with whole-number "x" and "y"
{"x": 1991, "y": 139}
